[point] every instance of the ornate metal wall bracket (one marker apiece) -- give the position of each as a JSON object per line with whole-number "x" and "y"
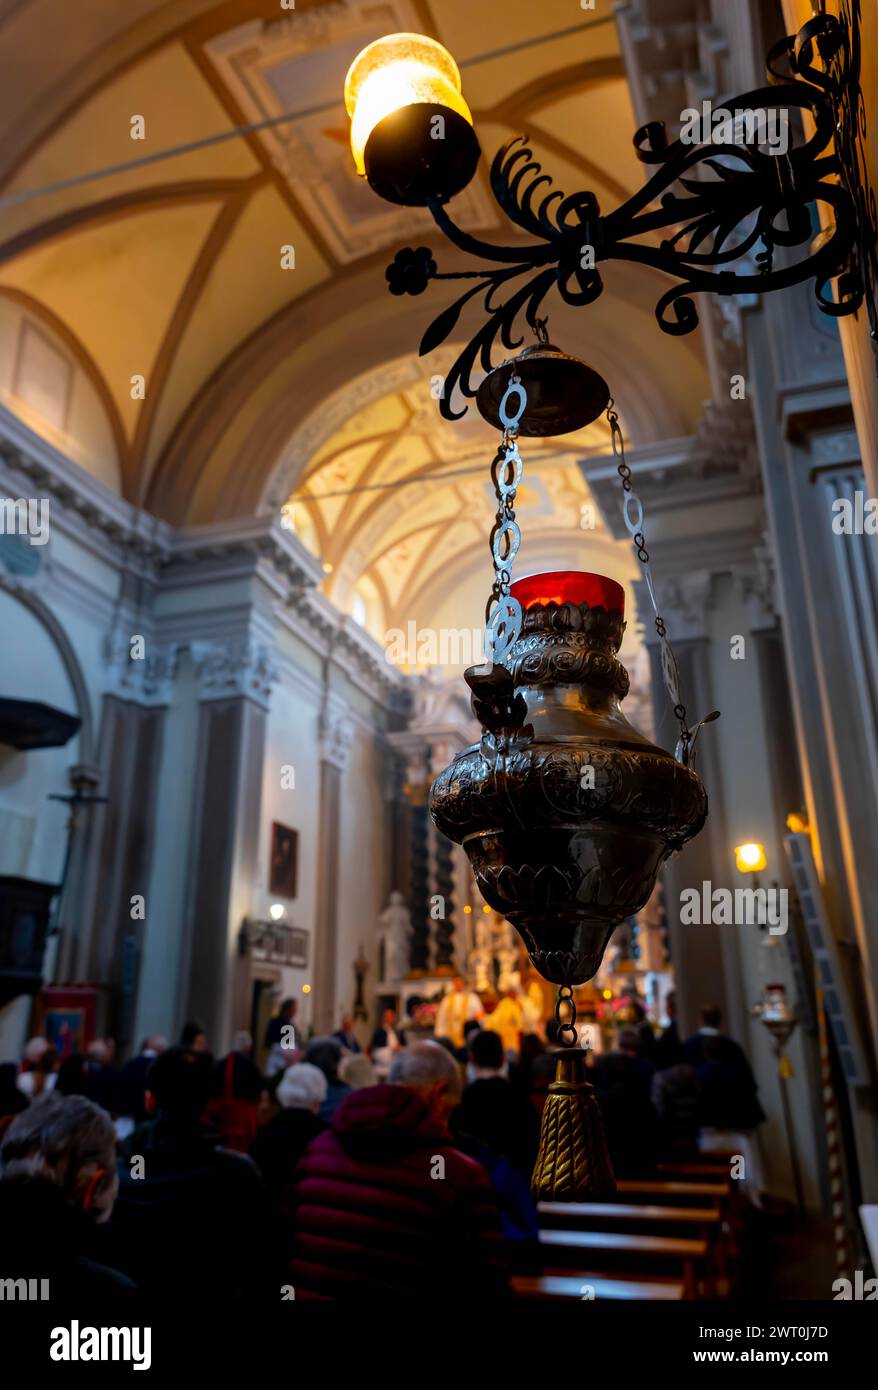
{"x": 718, "y": 206}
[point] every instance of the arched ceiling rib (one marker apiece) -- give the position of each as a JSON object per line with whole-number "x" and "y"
{"x": 173, "y": 270}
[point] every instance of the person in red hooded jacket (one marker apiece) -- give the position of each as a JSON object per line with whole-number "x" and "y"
{"x": 384, "y": 1204}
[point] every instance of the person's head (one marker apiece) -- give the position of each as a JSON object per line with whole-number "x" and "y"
{"x": 71, "y": 1076}
{"x": 67, "y": 1141}
{"x": 470, "y": 1029}
{"x": 357, "y": 1071}
{"x": 288, "y": 1010}
{"x": 711, "y": 1016}
{"x": 179, "y": 1083}
{"x": 154, "y": 1043}
{"x": 430, "y": 1071}
{"x": 388, "y": 1018}
{"x": 347, "y": 1023}
{"x": 325, "y": 1053}
{"x": 194, "y": 1036}
{"x": 99, "y": 1052}
{"x": 242, "y": 1042}
{"x": 628, "y": 1041}
{"x": 486, "y": 1051}
{"x": 457, "y": 984}
{"x": 302, "y": 1087}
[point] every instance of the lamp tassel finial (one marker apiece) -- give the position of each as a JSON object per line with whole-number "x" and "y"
{"x": 573, "y": 1163}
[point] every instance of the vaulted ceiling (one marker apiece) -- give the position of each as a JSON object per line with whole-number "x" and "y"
{"x": 263, "y": 382}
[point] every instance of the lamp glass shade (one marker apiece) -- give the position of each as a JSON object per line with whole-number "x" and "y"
{"x": 750, "y": 858}
{"x": 412, "y": 133}
{"x": 396, "y": 71}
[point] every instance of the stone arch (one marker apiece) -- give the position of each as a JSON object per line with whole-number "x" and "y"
{"x": 70, "y": 661}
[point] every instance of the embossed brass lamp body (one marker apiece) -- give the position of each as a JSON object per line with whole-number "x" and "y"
{"x": 565, "y": 811}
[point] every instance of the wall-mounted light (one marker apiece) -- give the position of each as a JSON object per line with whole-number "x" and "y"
{"x": 412, "y": 133}
{"x": 276, "y": 912}
{"x": 750, "y": 858}
{"x": 695, "y": 220}
{"x": 306, "y": 989}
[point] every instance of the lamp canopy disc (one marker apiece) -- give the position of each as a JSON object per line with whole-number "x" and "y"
{"x": 563, "y": 393}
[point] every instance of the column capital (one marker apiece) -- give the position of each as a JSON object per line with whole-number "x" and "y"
{"x": 336, "y": 739}
{"x": 683, "y": 603}
{"x": 234, "y": 667}
{"x": 145, "y": 679}
{"x": 757, "y": 586}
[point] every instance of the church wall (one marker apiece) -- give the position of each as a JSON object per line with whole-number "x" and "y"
{"x": 748, "y": 815}
{"x": 160, "y": 985}
{"x": 365, "y": 850}
{"x": 292, "y": 742}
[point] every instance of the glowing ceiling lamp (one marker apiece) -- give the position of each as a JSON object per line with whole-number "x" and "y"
{"x": 412, "y": 132}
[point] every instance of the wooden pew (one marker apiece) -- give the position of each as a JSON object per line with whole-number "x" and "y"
{"x": 586, "y": 1214}
{"x": 693, "y": 1193}
{"x": 694, "y": 1172}
{"x": 705, "y": 1222}
{"x": 576, "y": 1246}
{"x": 679, "y": 1193}
{"x": 604, "y": 1286}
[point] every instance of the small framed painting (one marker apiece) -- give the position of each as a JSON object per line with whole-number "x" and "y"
{"x": 66, "y": 1017}
{"x": 284, "y": 866}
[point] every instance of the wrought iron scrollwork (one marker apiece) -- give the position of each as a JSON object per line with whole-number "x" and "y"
{"x": 718, "y": 205}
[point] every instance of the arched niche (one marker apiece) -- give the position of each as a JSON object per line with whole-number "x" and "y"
{"x": 39, "y": 664}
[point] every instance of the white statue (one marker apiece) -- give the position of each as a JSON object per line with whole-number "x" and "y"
{"x": 506, "y": 950}
{"x": 396, "y": 929}
{"x": 479, "y": 961}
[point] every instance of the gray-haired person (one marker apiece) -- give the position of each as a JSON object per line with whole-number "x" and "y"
{"x": 58, "y": 1182}
{"x": 278, "y": 1147}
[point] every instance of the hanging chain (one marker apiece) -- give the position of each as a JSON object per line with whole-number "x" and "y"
{"x": 503, "y": 613}
{"x": 564, "y": 1005}
{"x": 632, "y": 511}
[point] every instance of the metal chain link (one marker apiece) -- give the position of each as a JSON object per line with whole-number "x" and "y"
{"x": 565, "y": 1003}
{"x": 503, "y": 613}
{"x": 632, "y": 511}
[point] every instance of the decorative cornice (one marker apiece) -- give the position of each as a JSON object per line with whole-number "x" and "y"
{"x": 246, "y": 545}
{"x": 86, "y": 510}
{"x": 674, "y": 475}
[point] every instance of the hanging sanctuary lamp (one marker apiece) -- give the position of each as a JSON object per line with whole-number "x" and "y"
{"x": 566, "y": 812}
